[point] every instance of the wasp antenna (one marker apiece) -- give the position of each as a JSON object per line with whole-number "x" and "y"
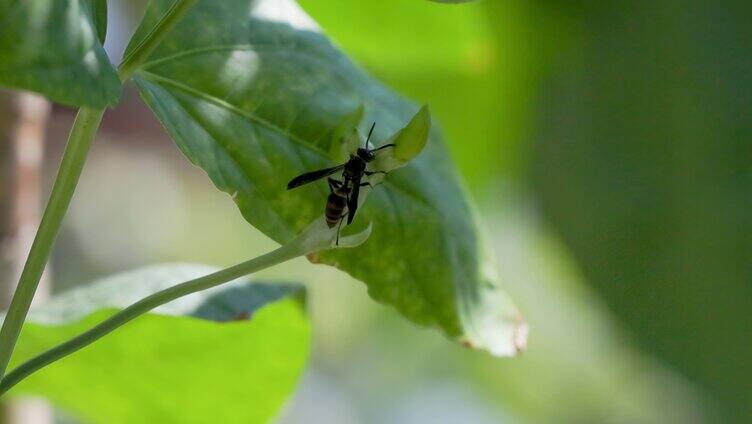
{"x": 370, "y": 133}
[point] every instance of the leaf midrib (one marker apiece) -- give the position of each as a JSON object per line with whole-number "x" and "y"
{"x": 229, "y": 106}
{"x": 261, "y": 121}
{"x": 206, "y": 49}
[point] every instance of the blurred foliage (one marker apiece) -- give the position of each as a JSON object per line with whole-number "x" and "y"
{"x": 167, "y": 366}
{"x": 475, "y": 64}
{"x": 98, "y": 12}
{"x": 452, "y": 1}
{"x": 645, "y": 167}
{"x": 51, "y": 47}
{"x": 576, "y": 369}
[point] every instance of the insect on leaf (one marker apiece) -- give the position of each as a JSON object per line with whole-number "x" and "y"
{"x": 257, "y": 101}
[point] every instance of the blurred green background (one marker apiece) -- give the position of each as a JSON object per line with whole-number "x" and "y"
{"x": 608, "y": 147}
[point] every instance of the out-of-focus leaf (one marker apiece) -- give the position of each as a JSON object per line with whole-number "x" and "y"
{"x": 644, "y": 167}
{"x": 99, "y": 17}
{"x": 476, "y": 64}
{"x": 228, "y": 354}
{"x": 52, "y": 47}
{"x": 255, "y": 102}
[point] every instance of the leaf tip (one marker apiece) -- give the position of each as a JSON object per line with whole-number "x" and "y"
{"x": 354, "y": 240}
{"x": 319, "y": 236}
{"x": 508, "y": 340}
{"x": 519, "y": 340}
{"x": 411, "y": 139}
{"x": 493, "y": 323}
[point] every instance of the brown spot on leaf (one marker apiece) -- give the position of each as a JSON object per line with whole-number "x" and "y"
{"x": 520, "y": 335}
{"x": 243, "y": 316}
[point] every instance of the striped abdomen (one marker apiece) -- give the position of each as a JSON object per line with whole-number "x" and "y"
{"x": 335, "y": 205}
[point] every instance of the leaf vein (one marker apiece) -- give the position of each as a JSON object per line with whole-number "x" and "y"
{"x": 297, "y": 140}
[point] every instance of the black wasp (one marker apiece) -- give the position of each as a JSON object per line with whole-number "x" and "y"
{"x": 343, "y": 193}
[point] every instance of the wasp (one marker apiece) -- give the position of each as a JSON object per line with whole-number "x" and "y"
{"x": 343, "y": 193}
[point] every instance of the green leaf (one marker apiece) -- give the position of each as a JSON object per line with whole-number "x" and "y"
{"x": 98, "y": 10}
{"x": 233, "y": 353}
{"x": 254, "y": 96}
{"x": 411, "y": 139}
{"x": 51, "y": 47}
{"x": 346, "y": 138}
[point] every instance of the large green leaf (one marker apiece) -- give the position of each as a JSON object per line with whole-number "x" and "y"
{"x": 52, "y": 47}
{"x": 229, "y": 354}
{"x": 253, "y": 94}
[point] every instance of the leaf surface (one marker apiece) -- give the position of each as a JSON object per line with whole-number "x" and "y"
{"x": 228, "y": 354}
{"x": 99, "y": 17}
{"x": 52, "y": 47}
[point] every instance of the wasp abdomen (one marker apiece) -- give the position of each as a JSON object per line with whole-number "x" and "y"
{"x": 335, "y": 205}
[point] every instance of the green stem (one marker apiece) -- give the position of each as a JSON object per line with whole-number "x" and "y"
{"x": 80, "y": 138}
{"x": 84, "y": 129}
{"x": 136, "y": 56}
{"x": 282, "y": 254}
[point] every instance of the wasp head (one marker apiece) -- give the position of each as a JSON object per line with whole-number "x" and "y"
{"x": 365, "y": 154}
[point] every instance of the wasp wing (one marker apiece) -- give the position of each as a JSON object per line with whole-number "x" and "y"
{"x": 352, "y": 202}
{"x": 312, "y": 176}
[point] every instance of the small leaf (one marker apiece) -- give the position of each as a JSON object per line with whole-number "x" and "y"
{"x": 411, "y": 140}
{"x": 233, "y": 353}
{"x": 253, "y": 96}
{"x": 318, "y": 236}
{"x": 51, "y": 47}
{"x": 98, "y": 10}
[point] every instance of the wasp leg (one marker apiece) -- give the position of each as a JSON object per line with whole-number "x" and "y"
{"x": 334, "y": 184}
{"x": 371, "y": 185}
{"x": 341, "y": 219}
{"x": 369, "y": 173}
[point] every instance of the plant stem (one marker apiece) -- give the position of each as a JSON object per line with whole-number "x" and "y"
{"x": 136, "y": 56}
{"x": 79, "y": 141}
{"x": 282, "y": 254}
{"x": 80, "y": 138}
